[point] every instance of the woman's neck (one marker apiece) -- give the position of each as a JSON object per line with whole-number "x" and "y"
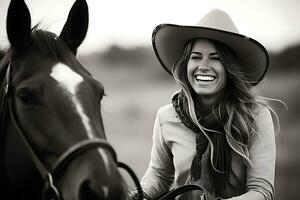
{"x": 208, "y": 101}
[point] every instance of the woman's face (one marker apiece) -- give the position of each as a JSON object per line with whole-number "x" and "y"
{"x": 206, "y": 73}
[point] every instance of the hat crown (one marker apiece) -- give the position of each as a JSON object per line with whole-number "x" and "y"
{"x": 218, "y": 19}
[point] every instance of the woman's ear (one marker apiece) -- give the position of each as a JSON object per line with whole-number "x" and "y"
{"x": 18, "y": 24}
{"x": 75, "y": 28}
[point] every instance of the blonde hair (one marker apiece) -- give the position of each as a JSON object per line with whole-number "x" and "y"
{"x": 235, "y": 110}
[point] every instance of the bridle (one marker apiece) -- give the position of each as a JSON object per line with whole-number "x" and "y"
{"x": 50, "y": 191}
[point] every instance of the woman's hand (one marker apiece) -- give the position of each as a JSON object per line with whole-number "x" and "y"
{"x": 134, "y": 195}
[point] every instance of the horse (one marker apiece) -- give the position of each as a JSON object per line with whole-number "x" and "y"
{"x": 53, "y": 144}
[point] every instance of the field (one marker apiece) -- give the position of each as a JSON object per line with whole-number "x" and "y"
{"x": 134, "y": 95}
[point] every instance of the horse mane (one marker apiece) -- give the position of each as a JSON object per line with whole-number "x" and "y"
{"x": 50, "y": 44}
{"x": 46, "y": 43}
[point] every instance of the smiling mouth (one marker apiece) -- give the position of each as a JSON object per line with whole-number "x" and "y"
{"x": 206, "y": 78}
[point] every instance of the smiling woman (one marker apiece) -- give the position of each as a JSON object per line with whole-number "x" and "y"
{"x": 217, "y": 133}
{"x": 205, "y": 71}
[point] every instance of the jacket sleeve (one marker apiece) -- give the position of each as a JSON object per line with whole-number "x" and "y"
{"x": 160, "y": 173}
{"x": 260, "y": 176}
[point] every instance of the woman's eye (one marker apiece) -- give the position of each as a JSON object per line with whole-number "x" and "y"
{"x": 195, "y": 57}
{"x": 215, "y": 58}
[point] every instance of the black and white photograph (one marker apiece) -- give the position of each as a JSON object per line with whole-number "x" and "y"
{"x": 149, "y": 100}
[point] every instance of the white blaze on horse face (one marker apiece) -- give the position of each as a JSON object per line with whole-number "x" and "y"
{"x": 105, "y": 191}
{"x": 69, "y": 81}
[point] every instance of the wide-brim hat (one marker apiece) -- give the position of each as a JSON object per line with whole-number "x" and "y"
{"x": 168, "y": 42}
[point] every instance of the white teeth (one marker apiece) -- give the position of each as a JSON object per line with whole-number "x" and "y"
{"x": 205, "y": 78}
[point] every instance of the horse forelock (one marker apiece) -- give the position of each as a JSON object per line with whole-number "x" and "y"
{"x": 49, "y": 45}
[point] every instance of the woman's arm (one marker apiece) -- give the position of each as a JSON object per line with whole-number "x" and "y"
{"x": 250, "y": 195}
{"x": 160, "y": 173}
{"x": 260, "y": 176}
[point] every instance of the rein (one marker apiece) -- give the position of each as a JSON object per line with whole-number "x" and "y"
{"x": 183, "y": 189}
{"x": 50, "y": 191}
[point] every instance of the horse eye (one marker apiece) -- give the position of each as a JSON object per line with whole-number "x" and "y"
{"x": 25, "y": 95}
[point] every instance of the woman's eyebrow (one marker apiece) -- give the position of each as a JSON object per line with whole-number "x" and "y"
{"x": 195, "y": 52}
{"x": 212, "y": 54}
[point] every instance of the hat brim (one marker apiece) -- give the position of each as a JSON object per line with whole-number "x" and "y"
{"x": 168, "y": 42}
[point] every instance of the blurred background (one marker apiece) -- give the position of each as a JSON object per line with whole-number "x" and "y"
{"x": 118, "y": 52}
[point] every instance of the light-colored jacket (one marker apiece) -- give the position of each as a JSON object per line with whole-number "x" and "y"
{"x": 174, "y": 149}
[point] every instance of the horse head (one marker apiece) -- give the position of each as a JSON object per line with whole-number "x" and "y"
{"x": 56, "y": 103}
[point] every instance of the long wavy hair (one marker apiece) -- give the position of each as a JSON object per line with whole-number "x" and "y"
{"x": 235, "y": 110}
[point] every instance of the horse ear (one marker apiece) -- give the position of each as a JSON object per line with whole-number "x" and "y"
{"x": 75, "y": 28}
{"x": 18, "y": 24}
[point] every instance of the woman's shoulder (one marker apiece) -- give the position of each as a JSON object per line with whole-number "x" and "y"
{"x": 261, "y": 111}
{"x": 167, "y": 113}
{"x": 262, "y": 117}
{"x": 264, "y": 123}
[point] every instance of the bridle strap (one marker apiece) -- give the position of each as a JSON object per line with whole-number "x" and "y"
{"x": 41, "y": 168}
{"x": 80, "y": 147}
{"x": 50, "y": 192}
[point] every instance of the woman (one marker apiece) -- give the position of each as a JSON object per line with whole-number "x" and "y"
{"x": 217, "y": 133}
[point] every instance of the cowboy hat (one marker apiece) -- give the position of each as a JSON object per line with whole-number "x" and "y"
{"x": 168, "y": 42}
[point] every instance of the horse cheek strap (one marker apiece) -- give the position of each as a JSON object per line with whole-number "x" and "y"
{"x": 50, "y": 192}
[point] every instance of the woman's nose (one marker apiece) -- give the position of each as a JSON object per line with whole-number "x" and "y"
{"x": 203, "y": 67}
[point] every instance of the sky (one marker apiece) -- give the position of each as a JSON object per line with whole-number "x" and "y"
{"x": 130, "y": 23}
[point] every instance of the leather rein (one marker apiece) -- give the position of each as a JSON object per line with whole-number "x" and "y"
{"x": 50, "y": 191}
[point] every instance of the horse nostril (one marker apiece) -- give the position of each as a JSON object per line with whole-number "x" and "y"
{"x": 114, "y": 190}
{"x": 87, "y": 192}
